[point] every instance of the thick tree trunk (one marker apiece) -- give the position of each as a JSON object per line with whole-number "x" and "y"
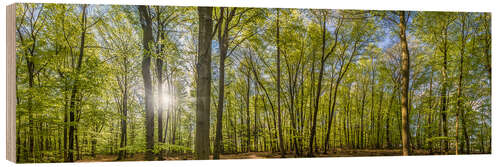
{"x": 405, "y": 80}
{"x": 147, "y": 38}
{"x": 203, "y": 81}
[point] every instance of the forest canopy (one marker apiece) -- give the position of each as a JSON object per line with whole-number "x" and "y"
{"x": 115, "y": 82}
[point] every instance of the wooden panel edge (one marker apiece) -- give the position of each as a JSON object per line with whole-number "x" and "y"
{"x": 11, "y": 82}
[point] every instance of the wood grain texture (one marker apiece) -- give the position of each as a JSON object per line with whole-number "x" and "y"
{"x": 11, "y": 82}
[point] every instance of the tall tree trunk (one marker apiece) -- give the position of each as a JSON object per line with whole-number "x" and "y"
{"x": 331, "y": 114}
{"x": 444, "y": 89}
{"x": 379, "y": 118}
{"x": 218, "y": 149}
{"x": 161, "y": 102}
{"x": 387, "y": 121}
{"x": 223, "y": 39}
{"x": 72, "y": 105}
{"x": 362, "y": 122}
{"x": 318, "y": 90}
{"x": 123, "y": 137}
{"x": 278, "y": 83}
{"x": 203, "y": 81}
{"x": 460, "y": 112}
{"x": 256, "y": 121}
{"x": 167, "y": 120}
{"x": 429, "y": 119}
{"x": 31, "y": 71}
{"x": 65, "y": 131}
{"x": 405, "y": 80}
{"x": 417, "y": 131}
{"x": 372, "y": 101}
{"x": 159, "y": 74}
{"x": 247, "y": 105}
{"x": 147, "y": 38}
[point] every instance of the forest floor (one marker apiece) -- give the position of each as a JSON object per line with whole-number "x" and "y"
{"x": 265, "y": 155}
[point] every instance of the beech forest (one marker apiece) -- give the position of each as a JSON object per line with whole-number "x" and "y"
{"x": 144, "y": 83}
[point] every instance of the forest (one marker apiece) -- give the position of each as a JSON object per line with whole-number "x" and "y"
{"x": 133, "y": 83}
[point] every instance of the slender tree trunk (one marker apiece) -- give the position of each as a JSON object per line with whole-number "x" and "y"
{"x": 460, "y": 112}
{"x": 444, "y": 89}
{"x": 223, "y": 39}
{"x": 362, "y": 122}
{"x": 387, "y": 121}
{"x": 379, "y": 118}
{"x": 123, "y": 137}
{"x": 318, "y": 90}
{"x": 278, "y": 83}
{"x": 247, "y": 101}
{"x": 256, "y": 120}
{"x": 372, "y": 100}
{"x": 31, "y": 137}
{"x": 429, "y": 115}
{"x": 72, "y": 106}
{"x": 65, "y": 131}
{"x": 159, "y": 75}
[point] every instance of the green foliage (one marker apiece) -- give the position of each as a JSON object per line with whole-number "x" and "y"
{"x": 366, "y": 61}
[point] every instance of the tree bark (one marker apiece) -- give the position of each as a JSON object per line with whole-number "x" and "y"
{"x": 405, "y": 71}
{"x": 387, "y": 121}
{"x": 318, "y": 90}
{"x": 278, "y": 83}
{"x": 72, "y": 106}
{"x": 159, "y": 74}
{"x": 123, "y": 137}
{"x": 203, "y": 81}
{"x": 429, "y": 119}
{"x": 444, "y": 89}
{"x": 147, "y": 38}
{"x": 223, "y": 39}
{"x": 460, "y": 112}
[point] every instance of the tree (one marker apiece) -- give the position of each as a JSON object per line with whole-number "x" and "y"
{"x": 32, "y": 17}
{"x": 405, "y": 80}
{"x": 223, "y": 35}
{"x": 278, "y": 82}
{"x": 203, "y": 80}
{"x": 460, "y": 114}
{"x": 146, "y": 24}
{"x": 72, "y": 105}
{"x": 324, "y": 57}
